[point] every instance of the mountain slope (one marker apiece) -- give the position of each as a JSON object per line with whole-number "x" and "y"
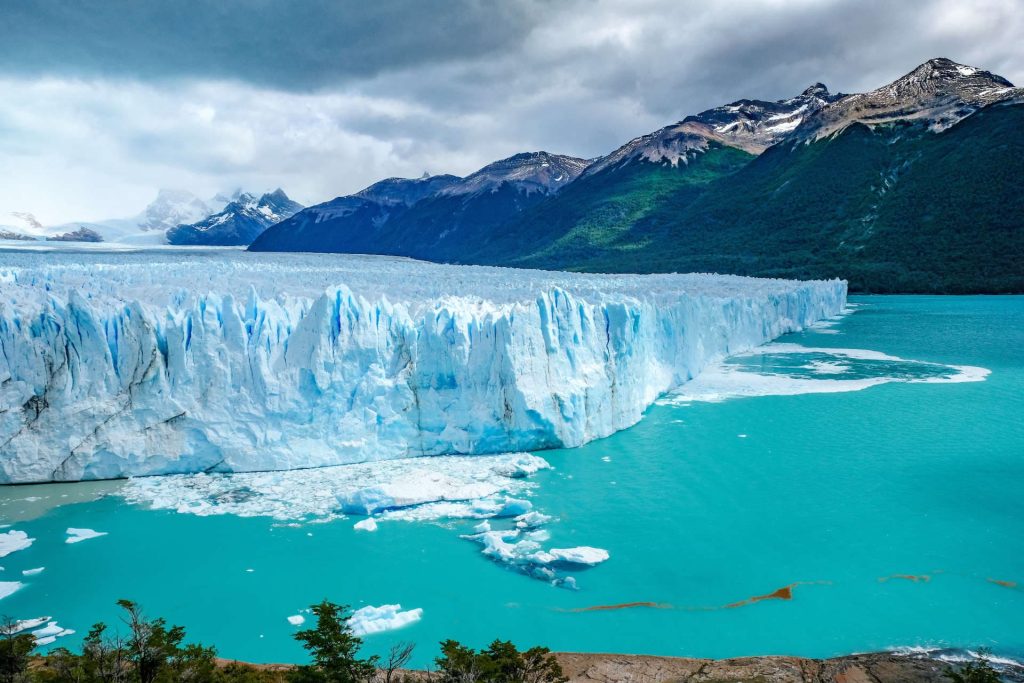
{"x": 894, "y": 208}
{"x": 350, "y": 223}
{"x": 440, "y": 220}
{"x": 596, "y": 216}
{"x": 241, "y": 221}
{"x": 916, "y": 186}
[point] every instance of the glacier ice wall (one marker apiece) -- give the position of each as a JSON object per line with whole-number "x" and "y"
{"x": 121, "y": 365}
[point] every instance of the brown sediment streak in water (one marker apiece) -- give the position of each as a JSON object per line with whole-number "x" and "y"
{"x": 916, "y": 578}
{"x": 784, "y": 593}
{"x": 1004, "y": 584}
{"x": 624, "y": 605}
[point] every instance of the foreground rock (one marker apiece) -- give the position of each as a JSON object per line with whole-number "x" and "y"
{"x": 879, "y": 667}
{"x": 871, "y": 668}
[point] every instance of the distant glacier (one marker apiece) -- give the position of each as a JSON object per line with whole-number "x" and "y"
{"x": 128, "y": 364}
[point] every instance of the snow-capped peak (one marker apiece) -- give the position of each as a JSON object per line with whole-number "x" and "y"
{"x": 239, "y": 223}
{"x": 173, "y": 207}
{"x": 530, "y": 171}
{"x": 939, "y": 93}
{"x": 750, "y": 125}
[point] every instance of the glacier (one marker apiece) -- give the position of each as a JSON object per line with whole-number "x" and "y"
{"x": 159, "y": 362}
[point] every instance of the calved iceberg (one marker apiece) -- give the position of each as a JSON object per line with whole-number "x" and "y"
{"x": 116, "y": 365}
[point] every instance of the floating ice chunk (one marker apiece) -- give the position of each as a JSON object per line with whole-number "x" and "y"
{"x": 580, "y": 555}
{"x": 482, "y": 527}
{"x": 24, "y": 625}
{"x": 50, "y": 633}
{"x": 606, "y": 459}
{"x": 32, "y": 572}
{"x": 416, "y": 488}
{"x": 368, "y": 524}
{"x": 513, "y": 507}
{"x": 371, "y": 619}
{"x": 9, "y": 587}
{"x": 532, "y": 520}
{"x": 79, "y": 535}
{"x": 296, "y": 620}
{"x": 51, "y": 629}
{"x": 13, "y": 541}
{"x": 523, "y": 465}
{"x": 318, "y": 493}
{"x": 524, "y": 553}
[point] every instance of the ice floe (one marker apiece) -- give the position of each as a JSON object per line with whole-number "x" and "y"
{"x": 32, "y": 572}
{"x": 368, "y": 524}
{"x": 370, "y": 619}
{"x": 24, "y": 625}
{"x": 50, "y": 633}
{"x": 79, "y": 535}
{"x": 9, "y": 587}
{"x": 522, "y": 551}
{"x": 13, "y": 541}
{"x": 786, "y": 369}
{"x": 415, "y": 489}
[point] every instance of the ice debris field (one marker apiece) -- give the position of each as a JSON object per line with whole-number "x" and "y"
{"x": 123, "y": 364}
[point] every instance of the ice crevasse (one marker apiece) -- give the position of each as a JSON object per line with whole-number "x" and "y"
{"x": 246, "y": 363}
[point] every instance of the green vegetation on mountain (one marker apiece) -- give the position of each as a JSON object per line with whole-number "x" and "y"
{"x": 894, "y": 208}
{"x": 594, "y": 219}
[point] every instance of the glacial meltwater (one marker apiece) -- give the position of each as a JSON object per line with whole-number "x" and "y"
{"x": 856, "y": 486}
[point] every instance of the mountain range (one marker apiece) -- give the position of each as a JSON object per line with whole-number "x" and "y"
{"x": 913, "y": 187}
{"x": 173, "y": 217}
{"x": 239, "y": 223}
{"x": 433, "y": 217}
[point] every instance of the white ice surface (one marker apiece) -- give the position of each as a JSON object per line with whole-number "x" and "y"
{"x": 370, "y": 619}
{"x": 25, "y": 625}
{"x": 79, "y": 535}
{"x": 32, "y": 572}
{"x": 9, "y": 587}
{"x": 522, "y": 551}
{"x": 13, "y": 541}
{"x": 368, "y": 524}
{"x": 728, "y": 380}
{"x": 406, "y": 489}
{"x": 156, "y": 362}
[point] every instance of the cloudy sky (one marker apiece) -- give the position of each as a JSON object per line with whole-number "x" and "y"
{"x": 104, "y": 101}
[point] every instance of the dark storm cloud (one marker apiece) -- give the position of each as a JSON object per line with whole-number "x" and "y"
{"x": 102, "y": 102}
{"x": 287, "y": 45}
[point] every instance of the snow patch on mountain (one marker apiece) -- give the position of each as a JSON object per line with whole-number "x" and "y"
{"x": 938, "y": 93}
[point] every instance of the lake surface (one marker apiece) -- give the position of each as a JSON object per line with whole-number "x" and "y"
{"x": 890, "y": 516}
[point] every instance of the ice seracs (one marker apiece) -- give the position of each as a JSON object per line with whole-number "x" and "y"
{"x": 115, "y": 366}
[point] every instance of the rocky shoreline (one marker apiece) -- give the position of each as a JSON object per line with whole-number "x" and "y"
{"x": 877, "y": 667}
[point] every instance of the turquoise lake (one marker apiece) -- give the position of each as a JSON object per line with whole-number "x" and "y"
{"x": 893, "y": 514}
